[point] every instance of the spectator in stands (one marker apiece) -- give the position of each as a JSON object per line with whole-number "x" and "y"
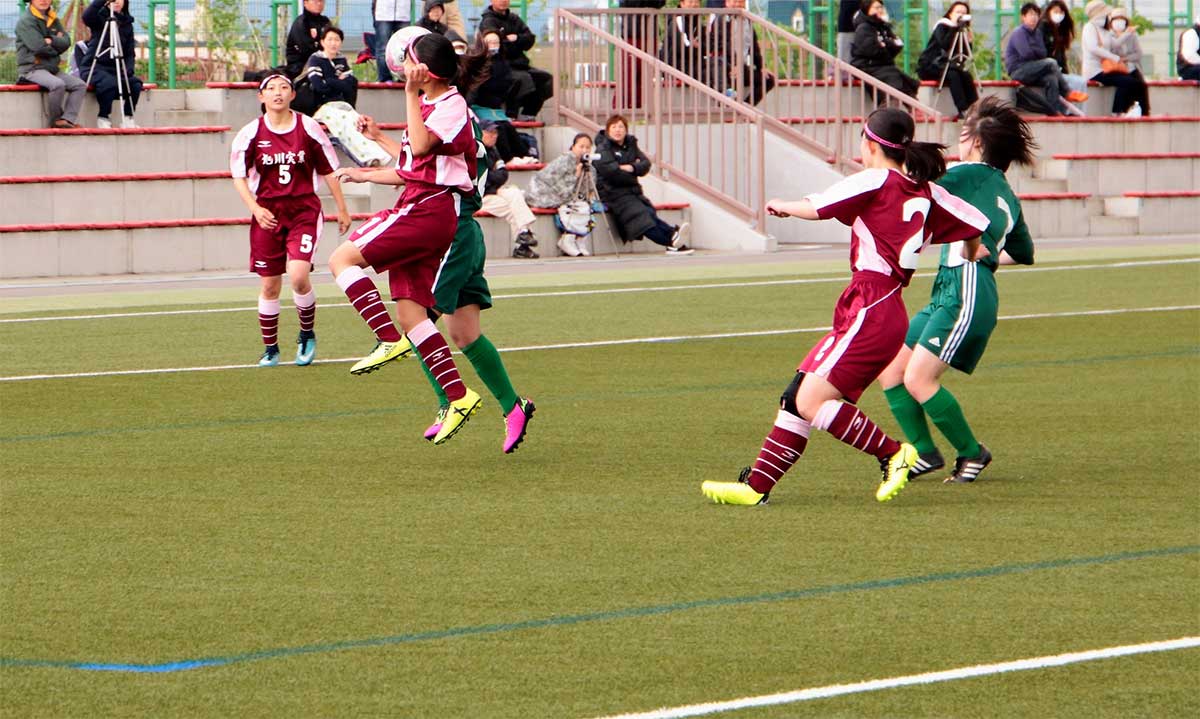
{"x": 504, "y": 200}
{"x": 733, "y": 35}
{"x": 685, "y": 43}
{"x": 876, "y": 47}
{"x": 328, "y": 71}
{"x": 40, "y": 41}
{"x": 620, "y": 165}
{"x": 641, "y": 31}
{"x": 389, "y": 16}
{"x": 431, "y": 20}
{"x": 1127, "y": 47}
{"x": 1058, "y": 32}
{"x": 559, "y": 182}
{"x": 531, "y": 87}
{"x": 104, "y": 77}
{"x": 1188, "y": 59}
{"x": 303, "y": 37}
{"x": 847, "y": 12}
{"x": 1104, "y": 66}
{"x": 488, "y": 99}
{"x": 1028, "y": 63}
{"x": 936, "y": 59}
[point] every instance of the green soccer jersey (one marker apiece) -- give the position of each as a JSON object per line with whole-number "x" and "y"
{"x": 985, "y": 187}
{"x": 471, "y": 203}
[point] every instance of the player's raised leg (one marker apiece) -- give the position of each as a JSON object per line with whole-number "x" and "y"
{"x": 435, "y": 353}
{"x": 347, "y": 265}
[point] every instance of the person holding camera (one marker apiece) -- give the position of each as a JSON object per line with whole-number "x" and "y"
{"x": 618, "y": 168}
{"x": 104, "y": 77}
{"x": 40, "y": 41}
{"x": 876, "y": 47}
{"x": 947, "y": 54}
{"x": 558, "y": 183}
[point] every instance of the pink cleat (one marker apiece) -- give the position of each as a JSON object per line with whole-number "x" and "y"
{"x": 516, "y": 422}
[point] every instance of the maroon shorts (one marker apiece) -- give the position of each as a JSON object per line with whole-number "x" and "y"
{"x": 294, "y": 238}
{"x": 869, "y": 324}
{"x": 411, "y": 241}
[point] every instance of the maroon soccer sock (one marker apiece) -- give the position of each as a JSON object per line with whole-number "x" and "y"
{"x": 366, "y": 300}
{"x": 780, "y": 450}
{"x": 433, "y": 350}
{"x": 848, "y": 424}
{"x": 306, "y": 307}
{"x": 268, "y": 320}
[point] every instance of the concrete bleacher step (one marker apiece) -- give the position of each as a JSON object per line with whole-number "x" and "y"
{"x": 50, "y": 152}
{"x": 186, "y": 118}
{"x": 1175, "y": 212}
{"x": 1114, "y": 173}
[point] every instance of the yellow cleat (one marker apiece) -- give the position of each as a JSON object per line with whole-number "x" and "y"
{"x": 732, "y": 493}
{"x": 459, "y": 412}
{"x": 383, "y": 353}
{"x": 895, "y": 472}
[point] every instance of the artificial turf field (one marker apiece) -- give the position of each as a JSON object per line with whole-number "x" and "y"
{"x": 248, "y": 542}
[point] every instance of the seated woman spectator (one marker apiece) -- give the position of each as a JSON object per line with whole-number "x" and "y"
{"x": 435, "y": 10}
{"x": 556, "y": 184}
{"x": 1127, "y": 47}
{"x": 1188, "y": 59}
{"x": 489, "y": 98}
{"x": 936, "y": 60}
{"x": 335, "y": 91}
{"x": 685, "y": 43}
{"x": 1028, "y": 62}
{"x": 732, "y": 35}
{"x": 531, "y": 86}
{"x": 40, "y": 41}
{"x": 620, "y": 165}
{"x": 104, "y": 77}
{"x": 1104, "y": 66}
{"x": 504, "y": 200}
{"x": 876, "y": 47}
{"x": 1058, "y": 32}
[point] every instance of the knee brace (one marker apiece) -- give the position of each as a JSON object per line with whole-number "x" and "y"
{"x": 787, "y": 401}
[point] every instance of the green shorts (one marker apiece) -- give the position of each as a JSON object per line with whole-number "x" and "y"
{"x": 959, "y": 319}
{"x": 460, "y": 281}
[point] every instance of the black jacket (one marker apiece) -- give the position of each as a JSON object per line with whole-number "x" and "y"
{"x": 95, "y": 16}
{"x": 505, "y": 24}
{"x": 431, "y": 25}
{"x": 1060, "y": 56}
{"x": 875, "y": 43}
{"x": 937, "y": 51}
{"x": 494, "y": 91}
{"x": 301, "y": 43}
{"x": 326, "y": 84}
{"x": 620, "y": 190}
{"x": 497, "y": 174}
{"x": 685, "y": 45}
{"x": 847, "y": 9}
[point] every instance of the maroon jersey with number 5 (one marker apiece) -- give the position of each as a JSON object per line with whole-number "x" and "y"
{"x": 284, "y": 164}
{"x": 892, "y": 218}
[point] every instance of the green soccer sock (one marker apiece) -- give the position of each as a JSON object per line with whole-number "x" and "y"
{"x": 947, "y": 415}
{"x": 911, "y": 417}
{"x": 490, "y": 368}
{"x": 443, "y": 400}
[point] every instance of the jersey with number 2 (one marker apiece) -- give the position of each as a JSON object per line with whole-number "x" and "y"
{"x": 283, "y": 164}
{"x": 892, "y": 218}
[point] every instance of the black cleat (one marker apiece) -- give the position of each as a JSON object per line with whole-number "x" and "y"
{"x": 967, "y": 469}
{"x": 926, "y": 464}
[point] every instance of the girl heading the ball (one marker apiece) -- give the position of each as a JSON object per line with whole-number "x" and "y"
{"x": 894, "y": 210}
{"x": 411, "y": 240}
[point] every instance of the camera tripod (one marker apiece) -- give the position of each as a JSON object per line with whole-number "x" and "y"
{"x": 960, "y": 56}
{"x": 585, "y": 189}
{"x": 117, "y": 53}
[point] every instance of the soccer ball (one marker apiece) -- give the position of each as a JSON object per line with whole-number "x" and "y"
{"x": 398, "y": 45}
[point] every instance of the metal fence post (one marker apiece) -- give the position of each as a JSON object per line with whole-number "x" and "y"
{"x": 151, "y": 64}
{"x": 294, "y": 5}
{"x": 1172, "y": 46}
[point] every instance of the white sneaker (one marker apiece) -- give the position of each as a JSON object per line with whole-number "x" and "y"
{"x": 1135, "y": 111}
{"x": 103, "y": 123}
{"x": 568, "y": 246}
{"x": 584, "y": 245}
{"x": 680, "y": 238}
{"x": 679, "y": 251}
{"x": 128, "y": 123}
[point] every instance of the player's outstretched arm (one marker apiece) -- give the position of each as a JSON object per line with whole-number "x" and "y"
{"x": 377, "y": 175}
{"x": 798, "y": 208}
{"x": 370, "y": 129}
{"x": 335, "y": 189}
{"x": 262, "y": 215}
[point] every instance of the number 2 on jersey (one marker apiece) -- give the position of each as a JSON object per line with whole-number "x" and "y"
{"x": 913, "y": 245}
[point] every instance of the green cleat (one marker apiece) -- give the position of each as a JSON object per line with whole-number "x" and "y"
{"x": 459, "y": 412}
{"x": 739, "y": 492}
{"x": 383, "y": 353}
{"x": 895, "y": 472}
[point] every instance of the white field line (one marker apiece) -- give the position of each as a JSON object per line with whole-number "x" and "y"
{"x": 607, "y": 291}
{"x": 596, "y": 343}
{"x": 978, "y": 670}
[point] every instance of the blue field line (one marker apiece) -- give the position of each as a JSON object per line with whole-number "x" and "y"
{"x": 571, "y": 619}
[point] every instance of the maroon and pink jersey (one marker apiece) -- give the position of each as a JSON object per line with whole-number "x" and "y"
{"x": 892, "y": 218}
{"x": 282, "y": 164}
{"x": 448, "y": 118}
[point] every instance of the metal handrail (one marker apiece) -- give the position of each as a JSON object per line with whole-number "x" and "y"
{"x": 153, "y": 41}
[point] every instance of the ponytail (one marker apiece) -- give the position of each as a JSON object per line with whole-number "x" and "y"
{"x": 474, "y": 67}
{"x": 437, "y": 53}
{"x": 893, "y": 131}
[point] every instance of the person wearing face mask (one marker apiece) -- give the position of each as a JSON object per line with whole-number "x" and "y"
{"x": 1058, "y": 32}
{"x": 1027, "y": 62}
{"x": 1126, "y": 45}
{"x": 1104, "y": 66}
{"x": 1188, "y": 59}
{"x": 936, "y": 60}
{"x": 876, "y": 47}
